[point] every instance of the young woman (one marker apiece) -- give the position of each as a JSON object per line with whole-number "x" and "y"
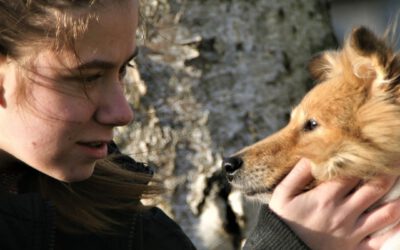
{"x": 63, "y": 183}
{"x": 61, "y": 94}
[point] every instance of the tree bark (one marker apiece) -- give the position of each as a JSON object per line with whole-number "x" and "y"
{"x": 215, "y": 76}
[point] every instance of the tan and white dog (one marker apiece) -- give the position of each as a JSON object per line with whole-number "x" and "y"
{"x": 347, "y": 125}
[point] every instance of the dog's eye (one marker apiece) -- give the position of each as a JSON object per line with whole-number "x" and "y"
{"x": 310, "y": 125}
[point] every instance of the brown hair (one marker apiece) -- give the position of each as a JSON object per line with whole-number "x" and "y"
{"x": 26, "y": 25}
{"x": 91, "y": 205}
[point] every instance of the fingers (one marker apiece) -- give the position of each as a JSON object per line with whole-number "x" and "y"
{"x": 378, "y": 219}
{"x": 298, "y": 178}
{"x": 369, "y": 193}
{"x": 296, "y": 181}
{"x": 338, "y": 189}
{"x": 384, "y": 239}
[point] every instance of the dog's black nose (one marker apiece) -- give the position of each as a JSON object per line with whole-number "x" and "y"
{"x": 231, "y": 164}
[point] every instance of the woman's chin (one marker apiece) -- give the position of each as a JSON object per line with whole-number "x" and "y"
{"x": 74, "y": 176}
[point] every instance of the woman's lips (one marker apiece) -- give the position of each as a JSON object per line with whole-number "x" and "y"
{"x": 94, "y": 149}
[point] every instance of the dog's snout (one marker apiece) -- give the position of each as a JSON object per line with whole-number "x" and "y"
{"x": 231, "y": 164}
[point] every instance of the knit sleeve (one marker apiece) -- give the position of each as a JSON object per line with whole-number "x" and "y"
{"x": 272, "y": 233}
{"x": 160, "y": 232}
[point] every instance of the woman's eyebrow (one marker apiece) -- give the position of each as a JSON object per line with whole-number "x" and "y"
{"x": 104, "y": 64}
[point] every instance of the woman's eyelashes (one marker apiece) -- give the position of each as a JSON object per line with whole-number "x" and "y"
{"x": 91, "y": 77}
{"x": 88, "y": 79}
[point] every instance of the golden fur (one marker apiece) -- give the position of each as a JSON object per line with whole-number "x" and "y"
{"x": 347, "y": 125}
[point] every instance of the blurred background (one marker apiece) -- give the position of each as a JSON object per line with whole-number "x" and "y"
{"x": 214, "y": 76}
{"x": 376, "y": 14}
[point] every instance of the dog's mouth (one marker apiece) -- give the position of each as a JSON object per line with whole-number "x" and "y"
{"x": 257, "y": 191}
{"x": 252, "y": 190}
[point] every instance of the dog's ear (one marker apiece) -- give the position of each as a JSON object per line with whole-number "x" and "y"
{"x": 324, "y": 65}
{"x": 371, "y": 57}
{"x": 365, "y": 59}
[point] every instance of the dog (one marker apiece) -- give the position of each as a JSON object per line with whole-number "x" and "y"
{"x": 348, "y": 124}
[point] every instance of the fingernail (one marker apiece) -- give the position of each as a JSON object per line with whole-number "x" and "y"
{"x": 304, "y": 162}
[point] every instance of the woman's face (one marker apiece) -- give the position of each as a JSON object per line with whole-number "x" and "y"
{"x": 64, "y": 129}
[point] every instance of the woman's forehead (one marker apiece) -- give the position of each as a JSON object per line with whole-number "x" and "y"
{"x": 109, "y": 38}
{"x": 112, "y": 36}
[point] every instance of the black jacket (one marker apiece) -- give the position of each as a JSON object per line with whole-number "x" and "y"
{"x": 27, "y": 222}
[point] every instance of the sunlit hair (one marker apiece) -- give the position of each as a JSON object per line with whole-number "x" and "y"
{"x": 25, "y": 27}
{"x": 29, "y": 24}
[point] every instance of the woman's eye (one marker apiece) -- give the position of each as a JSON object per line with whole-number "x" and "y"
{"x": 82, "y": 78}
{"x": 91, "y": 78}
{"x": 310, "y": 125}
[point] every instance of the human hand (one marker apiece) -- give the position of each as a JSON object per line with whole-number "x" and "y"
{"x": 332, "y": 215}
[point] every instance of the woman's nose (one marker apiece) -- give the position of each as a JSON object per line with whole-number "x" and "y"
{"x": 114, "y": 109}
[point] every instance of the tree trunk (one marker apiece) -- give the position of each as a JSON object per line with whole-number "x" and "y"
{"x": 216, "y": 75}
